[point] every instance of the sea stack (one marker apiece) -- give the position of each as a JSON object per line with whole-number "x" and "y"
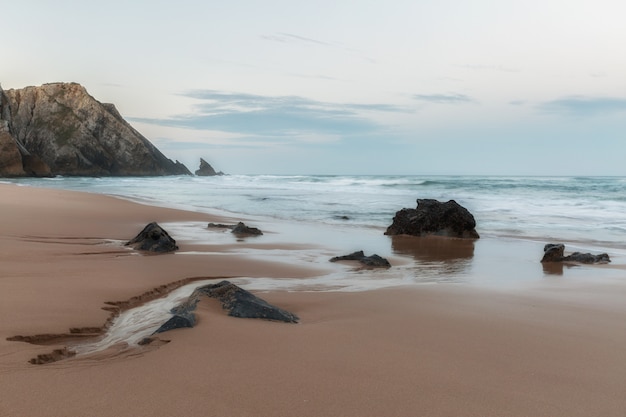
{"x": 59, "y": 129}
{"x": 432, "y": 217}
{"x": 206, "y": 170}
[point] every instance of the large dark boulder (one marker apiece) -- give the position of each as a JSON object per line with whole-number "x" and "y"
{"x": 555, "y": 252}
{"x": 241, "y": 229}
{"x": 372, "y": 261}
{"x": 432, "y": 217}
{"x": 153, "y": 239}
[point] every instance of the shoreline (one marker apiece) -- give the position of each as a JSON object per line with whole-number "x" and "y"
{"x": 515, "y": 216}
{"x": 550, "y": 349}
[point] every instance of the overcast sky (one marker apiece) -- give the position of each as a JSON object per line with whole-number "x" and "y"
{"x": 502, "y": 87}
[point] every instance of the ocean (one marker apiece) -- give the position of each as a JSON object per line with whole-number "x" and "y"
{"x": 317, "y": 217}
{"x": 574, "y": 209}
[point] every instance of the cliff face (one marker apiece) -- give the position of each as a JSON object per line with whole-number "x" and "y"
{"x": 59, "y": 129}
{"x": 10, "y": 155}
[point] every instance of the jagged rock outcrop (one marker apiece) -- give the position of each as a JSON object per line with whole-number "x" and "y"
{"x": 153, "y": 238}
{"x": 234, "y": 299}
{"x": 555, "y": 252}
{"x": 206, "y": 170}
{"x": 59, "y": 129}
{"x": 432, "y": 217}
{"x": 241, "y": 303}
{"x": 372, "y": 261}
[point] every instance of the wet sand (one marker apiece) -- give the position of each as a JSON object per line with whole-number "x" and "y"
{"x": 433, "y": 350}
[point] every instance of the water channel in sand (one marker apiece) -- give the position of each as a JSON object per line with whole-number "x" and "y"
{"x": 134, "y": 325}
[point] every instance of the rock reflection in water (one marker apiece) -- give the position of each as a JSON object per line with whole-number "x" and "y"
{"x": 557, "y": 268}
{"x": 552, "y": 268}
{"x": 437, "y": 259}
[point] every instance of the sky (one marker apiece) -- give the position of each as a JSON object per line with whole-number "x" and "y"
{"x": 423, "y": 87}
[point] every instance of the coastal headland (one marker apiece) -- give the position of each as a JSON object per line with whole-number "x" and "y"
{"x": 59, "y": 129}
{"x": 433, "y": 350}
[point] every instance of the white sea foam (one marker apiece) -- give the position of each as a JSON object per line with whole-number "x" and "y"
{"x": 133, "y": 325}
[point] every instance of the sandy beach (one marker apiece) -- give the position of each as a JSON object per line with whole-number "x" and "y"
{"x": 421, "y": 350}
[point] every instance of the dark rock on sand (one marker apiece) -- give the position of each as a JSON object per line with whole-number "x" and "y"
{"x": 178, "y": 322}
{"x": 432, "y": 217}
{"x": 220, "y": 226}
{"x": 238, "y": 229}
{"x": 56, "y": 355}
{"x": 555, "y": 252}
{"x": 241, "y": 229}
{"x": 237, "y": 301}
{"x": 153, "y": 239}
{"x": 206, "y": 170}
{"x": 373, "y": 261}
{"x": 588, "y": 258}
{"x": 241, "y": 303}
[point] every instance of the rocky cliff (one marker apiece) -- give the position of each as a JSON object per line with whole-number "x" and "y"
{"x": 59, "y": 129}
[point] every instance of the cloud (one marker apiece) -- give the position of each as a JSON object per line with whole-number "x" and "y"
{"x": 498, "y": 68}
{"x": 316, "y": 77}
{"x": 275, "y": 115}
{"x": 289, "y": 37}
{"x": 241, "y": 143}
{"x": 114, "y": 85}
{"x": 452, "y": 98}
{"x": 585, "y": 106}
